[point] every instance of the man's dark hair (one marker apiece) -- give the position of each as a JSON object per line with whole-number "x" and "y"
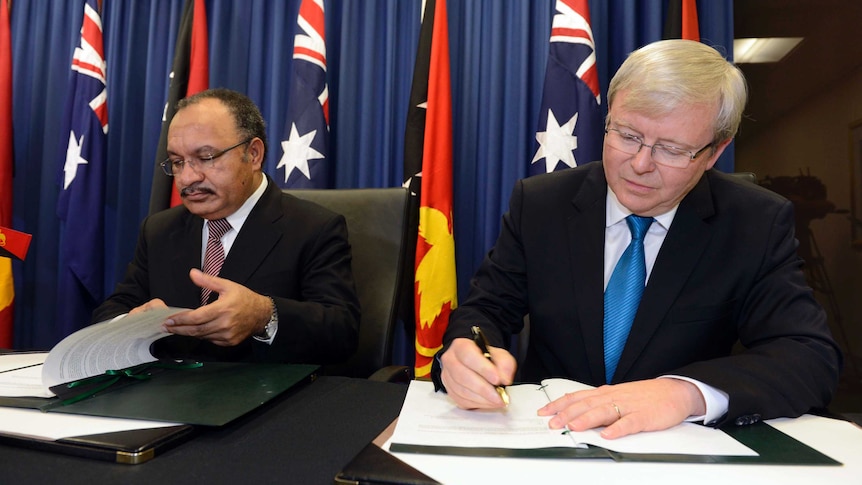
{"x": 247, "y": 116}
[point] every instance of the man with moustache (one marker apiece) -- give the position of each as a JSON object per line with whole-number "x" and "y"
{"x": 285, "y": 291}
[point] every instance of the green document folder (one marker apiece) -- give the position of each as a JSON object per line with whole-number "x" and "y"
{"x": 211, "y": 395}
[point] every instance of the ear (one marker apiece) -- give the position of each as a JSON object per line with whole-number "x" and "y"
{"x": 256, "y": 151}
{"x": 719, "y": 149}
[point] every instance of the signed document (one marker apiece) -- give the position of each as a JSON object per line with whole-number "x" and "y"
{"x": 431, "y": 421}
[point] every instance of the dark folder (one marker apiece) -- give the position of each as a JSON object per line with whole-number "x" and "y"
{"x": 127, "y": 447}
{"x": 373, "y": 466}
{"x": 212, "y": 395}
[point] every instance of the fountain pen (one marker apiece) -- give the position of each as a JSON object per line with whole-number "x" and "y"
{"x": 482, "y": 342}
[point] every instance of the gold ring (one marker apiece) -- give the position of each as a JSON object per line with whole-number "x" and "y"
{"x": 617, "y": 409}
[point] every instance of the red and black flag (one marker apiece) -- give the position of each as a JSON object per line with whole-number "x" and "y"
{"x": 7, "y": 288}
{"x": 681, "y": 22}
{"x": 189, "y": 75}
{"x": 428, "y": 174}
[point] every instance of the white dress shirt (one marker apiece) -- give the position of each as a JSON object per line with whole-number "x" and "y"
{"x": 236, "y": 220}
{"x": 617, "y": 238}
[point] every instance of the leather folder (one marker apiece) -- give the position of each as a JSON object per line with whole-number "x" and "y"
{"x": 127, "y": 447}
{"x": 373, "y": 466}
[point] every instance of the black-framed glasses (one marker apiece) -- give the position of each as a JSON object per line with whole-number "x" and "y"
{"x": 173, "y": 166}
{"x": 667, "y": 155}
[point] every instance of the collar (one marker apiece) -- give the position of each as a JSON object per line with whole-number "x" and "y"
{"x": 237, "y": 219}
{"x": 616, "y": 212}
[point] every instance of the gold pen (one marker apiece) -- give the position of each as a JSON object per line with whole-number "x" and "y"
{"x": 482, "y": 342}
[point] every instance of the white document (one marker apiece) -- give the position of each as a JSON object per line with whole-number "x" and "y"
{"x": 112, "y": 345}
{"x": 838, "y": 439}
{"x": 33, "y": 423}
{"x": 432, "y": 419}
{"x": 21, "y": 375}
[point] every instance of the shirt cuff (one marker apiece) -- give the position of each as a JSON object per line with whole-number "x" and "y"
{"x": 716, "y": 400}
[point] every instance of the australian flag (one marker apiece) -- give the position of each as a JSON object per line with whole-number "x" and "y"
{"x": 82, "y": 179}
{"x": 570, "y": 121}
{"x": 303, "y": 162}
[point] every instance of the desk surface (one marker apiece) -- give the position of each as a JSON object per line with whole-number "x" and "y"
{"x": 304, "y": 437}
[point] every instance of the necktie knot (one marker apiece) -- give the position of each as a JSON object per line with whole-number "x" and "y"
{"x": 638, "y": 226}
{"x": 218, "y": 228}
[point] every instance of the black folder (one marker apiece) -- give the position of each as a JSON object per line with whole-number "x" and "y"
{"x": 373, "y": 466}
{"x": 127, "y": 447}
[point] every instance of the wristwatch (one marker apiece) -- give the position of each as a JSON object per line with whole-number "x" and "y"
{"x": 271, "y": 326}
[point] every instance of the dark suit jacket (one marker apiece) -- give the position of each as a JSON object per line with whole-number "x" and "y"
{"x": 290, "y": 249}
{"x": 727, "y": 271}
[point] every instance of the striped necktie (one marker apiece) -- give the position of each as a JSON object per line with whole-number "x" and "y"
{"x": 623, "y": 294}
{"x": 214, "y": 258}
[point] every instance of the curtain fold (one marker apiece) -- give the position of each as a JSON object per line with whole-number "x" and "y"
{"x": 498, "y": 50}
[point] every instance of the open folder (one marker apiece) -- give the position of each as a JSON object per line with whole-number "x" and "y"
{"x": 213, "y": 394}
{"x": 132, "y": 446}
{"x": 431, "y": 423}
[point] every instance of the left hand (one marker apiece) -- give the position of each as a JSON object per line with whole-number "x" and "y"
{"x": 627, "y": 408}
{"x": 237, "y": 313}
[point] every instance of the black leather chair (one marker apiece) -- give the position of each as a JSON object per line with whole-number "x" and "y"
{"x": 377, "y": 232}
{"x": 747, "y": 176}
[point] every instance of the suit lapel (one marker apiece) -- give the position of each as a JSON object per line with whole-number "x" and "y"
{"x": 586, "y": 245}
{"x": 185, "y": 239}
{"x": 256, "y": 240}
{"x": 682, "y": 249}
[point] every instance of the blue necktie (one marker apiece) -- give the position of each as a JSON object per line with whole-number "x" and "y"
{"x": 623, "y": 294}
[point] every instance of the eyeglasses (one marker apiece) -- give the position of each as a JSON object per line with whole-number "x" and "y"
{"x": 667, "y": 155}
{"x": 173, "y": 166}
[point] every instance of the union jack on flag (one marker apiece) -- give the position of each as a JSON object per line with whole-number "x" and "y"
{"x": 570, "y": 121}
{"x": 306, "y": 145}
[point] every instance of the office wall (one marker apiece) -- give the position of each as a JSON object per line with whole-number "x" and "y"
{"x": 813, "y": 139}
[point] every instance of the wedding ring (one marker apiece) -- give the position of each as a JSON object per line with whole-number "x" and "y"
{"x": 617, "y": 409}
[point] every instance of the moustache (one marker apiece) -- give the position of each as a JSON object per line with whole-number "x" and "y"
{"x": 186, "y": 191}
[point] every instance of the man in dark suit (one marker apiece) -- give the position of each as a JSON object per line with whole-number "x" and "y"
{"x": 285, "y": 291}
{"x": 719, "y": 263}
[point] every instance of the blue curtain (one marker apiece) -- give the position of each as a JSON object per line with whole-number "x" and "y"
{"x": 498, "y": 53}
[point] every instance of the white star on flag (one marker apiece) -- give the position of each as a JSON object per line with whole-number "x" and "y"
{"x": 297, "y": 153}
{"x": 73, "y": 159}
{"x": 408, "y": 184}
{"x": 557, "y": 142}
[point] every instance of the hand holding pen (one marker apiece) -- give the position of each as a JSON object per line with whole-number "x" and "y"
{"x": 482, "y": 342}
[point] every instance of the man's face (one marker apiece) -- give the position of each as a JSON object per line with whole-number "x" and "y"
{"x": 216, "y": 189}
{"x": 643, "y": 186}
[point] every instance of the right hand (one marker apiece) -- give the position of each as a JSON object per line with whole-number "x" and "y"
{"x": 471, "y": 379}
